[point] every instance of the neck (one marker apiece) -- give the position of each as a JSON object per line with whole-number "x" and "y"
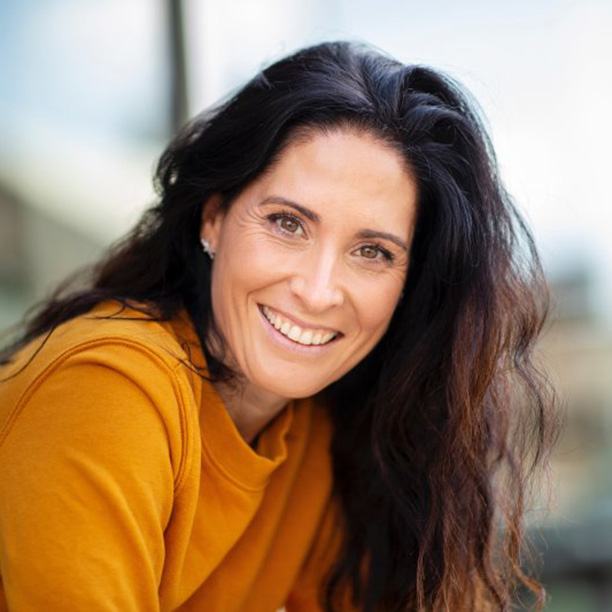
{"x": 250, "y": 408}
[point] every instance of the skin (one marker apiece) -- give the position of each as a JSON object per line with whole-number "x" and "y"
{"x": 323, "y": 271}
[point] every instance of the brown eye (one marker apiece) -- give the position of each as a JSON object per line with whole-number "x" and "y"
{"x": 288, "y": 224}
{"x": 369, "y": 252}
{"x": 375, "y": 253}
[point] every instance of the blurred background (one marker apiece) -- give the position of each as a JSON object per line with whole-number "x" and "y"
{"x": 91, "y": 90}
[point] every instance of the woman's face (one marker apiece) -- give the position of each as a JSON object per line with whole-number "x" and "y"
{"x": 310, "y": 261}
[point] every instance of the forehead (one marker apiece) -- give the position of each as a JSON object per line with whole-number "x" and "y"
{"x": 344, "y": 172}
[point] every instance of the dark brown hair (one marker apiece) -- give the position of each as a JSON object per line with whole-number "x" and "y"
{"x": 439, "y": 430}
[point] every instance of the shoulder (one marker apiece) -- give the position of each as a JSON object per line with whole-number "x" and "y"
{"x": 115, "y": 323}
{"x": 110, "y": 329}
{"x": 106, "y": 367}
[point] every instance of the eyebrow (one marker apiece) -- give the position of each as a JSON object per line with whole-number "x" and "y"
{"x": 313, "y": 216}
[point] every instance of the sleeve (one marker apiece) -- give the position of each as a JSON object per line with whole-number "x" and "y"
{"x": 307, "y": 592}
{"x": 86, "y": 487}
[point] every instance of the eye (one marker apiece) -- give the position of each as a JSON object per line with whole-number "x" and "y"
{"x": 374, "y": 252}
{"x": 287, "y": 223}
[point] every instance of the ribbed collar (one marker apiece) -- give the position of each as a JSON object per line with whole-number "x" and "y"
{"x": 229, "y": 451}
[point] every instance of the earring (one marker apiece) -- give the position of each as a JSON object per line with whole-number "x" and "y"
{"x": 206, "y": 248}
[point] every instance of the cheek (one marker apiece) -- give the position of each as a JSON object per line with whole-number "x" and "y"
{"x": 375, "y": 314}
{"x": 246, "y": 264}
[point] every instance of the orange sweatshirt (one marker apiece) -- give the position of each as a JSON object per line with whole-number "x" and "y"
{"x": 125, "y": 485}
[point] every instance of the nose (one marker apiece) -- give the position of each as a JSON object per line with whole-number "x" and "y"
{"x": 316, "y": 282}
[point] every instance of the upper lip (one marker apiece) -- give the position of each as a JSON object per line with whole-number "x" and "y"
{"x": 300, "y": 323}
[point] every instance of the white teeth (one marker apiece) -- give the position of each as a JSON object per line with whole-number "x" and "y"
{"x": 306, "y": 337}
{"x": 296, "y": 333}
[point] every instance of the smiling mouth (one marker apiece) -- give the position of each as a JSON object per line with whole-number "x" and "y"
{"x": 304, "y": 336}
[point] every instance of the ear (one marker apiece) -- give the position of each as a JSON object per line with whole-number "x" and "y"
{"x": 212, "y": 220}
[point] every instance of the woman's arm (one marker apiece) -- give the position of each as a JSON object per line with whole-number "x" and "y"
{"x": 86, "y": 484}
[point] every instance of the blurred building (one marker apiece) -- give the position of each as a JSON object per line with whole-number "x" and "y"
{"x": 574, "y": 540}
{"x": 86, "y": 105}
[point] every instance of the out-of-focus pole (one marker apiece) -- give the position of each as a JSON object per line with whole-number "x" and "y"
{"x": 178, "y": 65}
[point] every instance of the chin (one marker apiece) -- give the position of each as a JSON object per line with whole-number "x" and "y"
{"x": 291, "y": 389}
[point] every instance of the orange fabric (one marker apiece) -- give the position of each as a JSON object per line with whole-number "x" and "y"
{"x": 124, "y": 484}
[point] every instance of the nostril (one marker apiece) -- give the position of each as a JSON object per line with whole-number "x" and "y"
{"x": 318, "y": 296}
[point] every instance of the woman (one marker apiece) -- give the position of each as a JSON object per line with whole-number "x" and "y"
{"x": 303, "y": 380}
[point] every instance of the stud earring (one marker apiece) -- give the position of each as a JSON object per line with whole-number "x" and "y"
{"x": 206, "y": 248}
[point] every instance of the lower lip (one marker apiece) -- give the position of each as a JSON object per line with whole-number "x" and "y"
{"x": 302, "y": 349}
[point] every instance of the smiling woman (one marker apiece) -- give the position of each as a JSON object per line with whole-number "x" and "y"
{"x": 303, "y": 380}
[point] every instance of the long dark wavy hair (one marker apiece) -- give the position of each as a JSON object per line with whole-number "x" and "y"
{"x": 440, "y": 429}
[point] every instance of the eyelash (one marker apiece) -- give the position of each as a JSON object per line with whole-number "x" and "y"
{"x": 274, "y": 218}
